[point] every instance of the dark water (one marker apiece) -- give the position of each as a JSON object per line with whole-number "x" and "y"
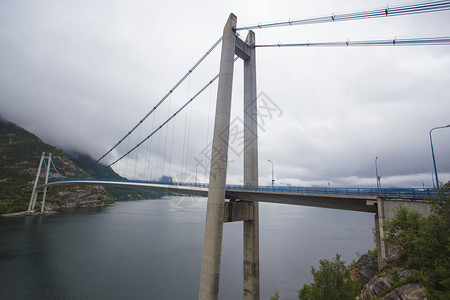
{"x": 152, "y": 249}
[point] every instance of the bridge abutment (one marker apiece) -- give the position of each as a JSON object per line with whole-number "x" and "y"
{"x": 386, "y": 208}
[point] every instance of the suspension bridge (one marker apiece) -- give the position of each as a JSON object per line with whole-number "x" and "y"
{"x": 156, "y": 153}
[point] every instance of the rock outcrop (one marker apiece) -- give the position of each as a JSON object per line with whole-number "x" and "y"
{"x": 365, "y": 268}
{"x": 391, "y": 283}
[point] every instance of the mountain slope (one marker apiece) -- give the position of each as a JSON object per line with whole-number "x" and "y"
{"x": 20, "y": 153}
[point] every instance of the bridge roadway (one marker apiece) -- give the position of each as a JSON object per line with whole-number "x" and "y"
{"x": 354, "y": 199}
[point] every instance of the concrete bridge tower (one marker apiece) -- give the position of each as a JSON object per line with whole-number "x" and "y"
{"x": 218, "y": 211}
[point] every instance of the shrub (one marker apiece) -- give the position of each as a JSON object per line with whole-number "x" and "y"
{"x": 424, "y": 244}
{"x": 275, "y": 296}
{"x": 331, "y": 281}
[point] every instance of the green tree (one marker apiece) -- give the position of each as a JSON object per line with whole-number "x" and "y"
{"x": 275, "y": 296}
{"x": 331, "y": 281}
{"x": 423, "y": 243}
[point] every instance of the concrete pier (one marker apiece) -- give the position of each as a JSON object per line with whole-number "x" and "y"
{"x": 212, "y": 244}
{"x": 251, "y": 227}
{"x": 235, "y": 211}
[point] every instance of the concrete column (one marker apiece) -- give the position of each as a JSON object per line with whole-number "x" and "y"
{"x": 46, "y": 181}
{"x": 251, "y": 227}
{"x": 378, "y": 242}
{"x": 34, "y": 193}
{"x": 35, "y": 199}
{"x": 381, "y": 245}
{"x": 212, "y": 245}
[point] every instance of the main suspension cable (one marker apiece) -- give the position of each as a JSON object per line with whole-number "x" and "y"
{"x": 408, "y": 9}
{"x": 159, "y": 103}
{"x": 168, "y": 120}
{"x": 436, "y": 41}
{"x": 54, "y": 167}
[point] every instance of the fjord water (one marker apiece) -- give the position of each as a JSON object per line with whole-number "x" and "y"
{"x": 151, "y": 249}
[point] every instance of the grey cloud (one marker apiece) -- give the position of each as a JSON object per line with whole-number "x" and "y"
{"x": 81, "y": 74}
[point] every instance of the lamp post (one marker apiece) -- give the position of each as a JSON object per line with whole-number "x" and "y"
{"x": 432, "y": 153}
{"x": 378, "y": 177}
{"x": 272, "y": 172}
{"x": 196, "y": 175}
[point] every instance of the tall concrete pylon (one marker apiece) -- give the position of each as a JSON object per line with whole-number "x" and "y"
{"x": 218, "y": 211}
{"x": 251, "y": 226}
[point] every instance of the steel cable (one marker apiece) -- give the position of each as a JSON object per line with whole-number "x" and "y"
{"x": 434, "y": 41}
{"x": 159, "y": 103}
{"x": 168, "y": 120}
{"x": 417, "y": 8}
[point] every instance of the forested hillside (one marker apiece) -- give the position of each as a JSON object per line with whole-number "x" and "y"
{"x": 20, "y": 153}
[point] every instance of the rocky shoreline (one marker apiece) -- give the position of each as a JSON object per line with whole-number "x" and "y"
{"x": 54, "y": 210}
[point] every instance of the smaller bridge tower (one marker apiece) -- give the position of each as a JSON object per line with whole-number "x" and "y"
{"x": 35, "y": 192}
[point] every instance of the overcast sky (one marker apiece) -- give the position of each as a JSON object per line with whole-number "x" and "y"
{"x": 81, "y": 74}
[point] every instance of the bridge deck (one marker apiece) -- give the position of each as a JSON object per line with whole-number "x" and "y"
{"x": 346, "y": 199}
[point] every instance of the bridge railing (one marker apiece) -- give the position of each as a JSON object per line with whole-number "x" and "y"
{"x": 385, "y": 192}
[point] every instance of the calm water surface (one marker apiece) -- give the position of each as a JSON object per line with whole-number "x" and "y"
{"x": 152, "y": 249}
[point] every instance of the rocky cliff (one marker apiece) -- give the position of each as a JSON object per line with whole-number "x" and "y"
{"x": 391, "y": 283}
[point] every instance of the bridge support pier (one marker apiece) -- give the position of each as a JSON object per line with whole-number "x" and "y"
{"x": 212, "y": 244}
{"x": 247, "y": 211}
{"x": 251, "y": 227}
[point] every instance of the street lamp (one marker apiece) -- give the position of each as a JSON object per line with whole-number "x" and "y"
{"x": 432, "y": 153}
{"x": 272, "y": 172}
{"x": 196, "y": 175}
{"x": 378, "y": 177}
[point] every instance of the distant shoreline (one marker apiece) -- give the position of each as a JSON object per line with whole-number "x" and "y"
{"x": 53, "y": 210}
